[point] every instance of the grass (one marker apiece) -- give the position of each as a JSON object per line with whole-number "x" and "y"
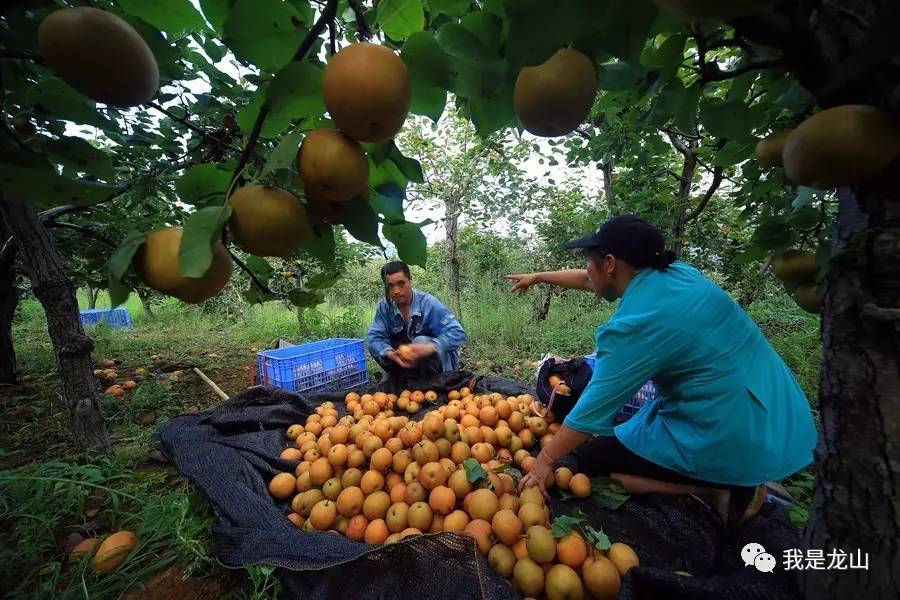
{"x": 47, "y": 492}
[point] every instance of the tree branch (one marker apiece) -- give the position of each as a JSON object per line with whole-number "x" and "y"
{"x": 682, "y": 148}
{"x": 249, "y": 272}
{"x": 713, "y": 186}
{"x": 362, "y": 27}
{"x": 331, "y": 39}
{"x": 192, "y": 127}
{"x": 711, "y": 71}
{"x": 326, "y": 16}
{"x": 81, "y": 229}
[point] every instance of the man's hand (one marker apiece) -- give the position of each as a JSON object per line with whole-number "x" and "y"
{"x": 395, "y": 356}
{"x": 522, "y": 282}
{"x": 540, "y": 470}
{"x": 416, "y": 352}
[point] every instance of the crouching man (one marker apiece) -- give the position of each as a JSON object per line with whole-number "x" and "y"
{"x": 413, "y": 333}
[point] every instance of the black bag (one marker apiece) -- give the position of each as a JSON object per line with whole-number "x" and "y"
{"x": 575, "y": 373}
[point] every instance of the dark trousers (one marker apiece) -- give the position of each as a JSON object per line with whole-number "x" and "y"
{"x": 399, "y": 378}
{"x": 606, "y": 454}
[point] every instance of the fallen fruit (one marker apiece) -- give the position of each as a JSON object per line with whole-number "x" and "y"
{"x": 113, "y": 551}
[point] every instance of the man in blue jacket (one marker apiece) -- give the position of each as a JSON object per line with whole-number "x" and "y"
{"x": 427, "y": 330}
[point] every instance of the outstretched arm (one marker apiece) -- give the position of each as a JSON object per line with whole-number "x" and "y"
{"x": 573, "y": 279}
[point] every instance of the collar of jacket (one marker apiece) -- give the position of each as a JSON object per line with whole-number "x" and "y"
{"x": 415, "y": 305}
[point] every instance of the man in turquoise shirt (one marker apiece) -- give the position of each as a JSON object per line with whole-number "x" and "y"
{"x": 731, "y": 414}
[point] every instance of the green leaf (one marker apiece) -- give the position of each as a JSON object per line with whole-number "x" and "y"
{"x": 460, "y": 43}
{"x": 596, "y": 538}
{"x": 323, "y": 281}
{"x": 202, "y": 184}
{"x": 359, "y": 220}
{"x": 410, "y": 167}
{"x": 429, "y": 73}
{"x": 625, "y": 28}
{"x": 202, "y": 229}
{"x": 535, "y": 32}
{"x": 388, "y": 201}
{"x": 400, "y": 18}
{"x": 734, "y": 152}
{"x": 120, "y": 260}
{"x": 451, "y": 8}
{"x": 608, "y": 492}
{"x": 260, "y": 267}
{"x": 493, "y": 112}
{"x": 805, "y": 217}
{"x": 686, "y": 118}
{"x": 118, "y": 292}
{"x": 563, "y": 524}
{"x": 668, "y": 57}
{"x": 384, "y": 173}
{"x": 54, "y": 97}
{"x": 773, "y": 234}
{"x": 173, "y": 16}
{"x": 409, "y": 240}
{"x": 284, "y": 156}
{"x": 618, "y": 76}
{"x": 216, "y": 12}
{"x": 274, "y": 124}
{"x": 474, "y": 471}
{"x": 296, "y": 91}
{"x": 729, "y": 119}
{"x": 46, "y": 189}
{"x": 667, "y": 103}
{"x": 305, "y": 299}
{"x": 76, "y": 155}
{"x": 320, "y": 244}
{"x": 265, "y": 32}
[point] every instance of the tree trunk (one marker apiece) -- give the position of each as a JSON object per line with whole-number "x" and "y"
{"x": 841, "y": 52}
{"x": 240, "y": 304}
{"x": 856, "y": 503}
{"x": 9, "y": 299}
{"x": 145, "y": 304}
{"x": 72, "y": 348}
{"x": 607, "y": 168}
{"x": 451, "y": 225}
{"x": 543, "y": 308}
{"x": 92, "y": 297}
{"x": 753, "y": 288}
{"x": 683, "y": 195}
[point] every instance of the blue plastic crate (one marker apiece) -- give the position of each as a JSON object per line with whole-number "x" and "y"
{"x": 645, "y": 394}
{"x": 116, "y": 318}
{"x": 326, "y": 365}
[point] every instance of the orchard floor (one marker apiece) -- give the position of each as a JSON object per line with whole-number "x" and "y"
{"x": 50, "y": 495}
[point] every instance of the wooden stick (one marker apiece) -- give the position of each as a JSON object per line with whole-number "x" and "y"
{"x": 211, "y": 384}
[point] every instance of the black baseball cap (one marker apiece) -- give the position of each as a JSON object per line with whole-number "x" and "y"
{"x": 630, "y": 238}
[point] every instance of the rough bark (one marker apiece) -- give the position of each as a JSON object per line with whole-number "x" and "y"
{"x": 688, "y": 150}
{"x": 452, "y": 209}
{"x": 608, "y": 194}
{"x": 71, "y": 347}
{"x": 9, "y": 299}
{"x": 145, "y": 304}
{"x": 841, "y": 52}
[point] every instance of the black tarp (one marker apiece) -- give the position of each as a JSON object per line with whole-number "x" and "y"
{"x": 231, "y": 452}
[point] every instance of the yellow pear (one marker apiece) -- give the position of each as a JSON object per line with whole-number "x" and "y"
{"x": 267, "y": 221}
{"x": 156, "y": 263}
{"x": 100, "y": 55}
{"x": 553, "y": 98}
{"x": 842, "y": 146}
{"x": 332, "y": 166}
